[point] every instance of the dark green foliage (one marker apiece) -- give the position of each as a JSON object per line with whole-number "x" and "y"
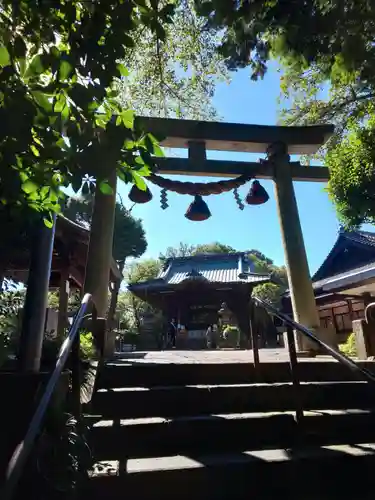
{"x": 60, "y": 459}
{"x": 186, "y": 250}
{"x": 215, "y": 247}
{"x": 58, "y": 62}
{"x": 11, "y": 300}
{"x": 311, "y": 32}
{"x": 352, "y": 183}
{"x": 327, "y": 52}
{"x": 176, "y": 75}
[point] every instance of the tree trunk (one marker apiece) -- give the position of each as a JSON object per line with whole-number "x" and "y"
{"x": 114, "y": 298}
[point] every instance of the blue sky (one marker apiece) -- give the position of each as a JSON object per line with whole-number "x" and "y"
{"x": 242, "y": 101}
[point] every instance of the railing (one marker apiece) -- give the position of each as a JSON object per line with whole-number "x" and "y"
{"x": 292, "y": 325}
{"x": 71, "y": 346}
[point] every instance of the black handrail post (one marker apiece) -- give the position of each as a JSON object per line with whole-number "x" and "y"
{"x": 254, "y": 339}
{"x": 294, "y": 372}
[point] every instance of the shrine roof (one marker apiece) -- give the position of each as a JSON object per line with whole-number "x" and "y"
{"x": 71, "y": 239}
{"x": 352, "y": 278}
{"x": 212, "y": 268}
{"x": 352, "y": 250}
{"x": 349, "y": 266}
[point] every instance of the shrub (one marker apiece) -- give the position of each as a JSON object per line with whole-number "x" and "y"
{"x": 230, "y": 336}
{"x": 51, "y": 347}
{"x": 350, "y": 347}
{"x": 87, "y": 350}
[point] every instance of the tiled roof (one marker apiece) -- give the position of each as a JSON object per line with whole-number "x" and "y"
{"x": 352, "y": 249}
{"x": 215, "y": 268}
{"x": 351, "y": 259}
{"x": 212, "y": 268}
{"x": 364, "y": 237}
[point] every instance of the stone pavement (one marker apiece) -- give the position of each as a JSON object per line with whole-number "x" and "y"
{"x": 210, "y": 356}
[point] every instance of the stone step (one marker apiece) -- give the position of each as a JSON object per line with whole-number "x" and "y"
{"x": 337, "y": 471}
{"x": 173, "y": 401}
{"x": 128, "y": 374}
{"x": 147, "y": 437}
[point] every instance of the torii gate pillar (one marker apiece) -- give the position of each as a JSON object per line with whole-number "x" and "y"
{"x": 100, "y": 253}
{"x": 301, "y": 290}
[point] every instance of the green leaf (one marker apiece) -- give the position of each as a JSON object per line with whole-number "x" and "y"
{"x": 65, "y": 112}
{"x": 42, "y": 100}
{"x": 127, "y": 117}
{"x": 35, "y": 67}
{"x": 122, "y": 70}
{"x": 157, "y": 151}
{"x": 101, "y": 123}
{"x": 29, "y": 187}
{"x": 48, "y": 222}
{"x": 34, "y": 150}
{"x": 144, "y": 171}
{"x": 22, "y": 65}
{"x": 4, "y": 57}
{"x": 65, "y": 70}
{"x": 60, "y": 103}
{"x": 105, "y": 188}
{"x": 128, "y": 144}
{"x": 139, "y": 182}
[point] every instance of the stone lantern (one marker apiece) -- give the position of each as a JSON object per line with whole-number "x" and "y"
{"x": 225, "y": 314}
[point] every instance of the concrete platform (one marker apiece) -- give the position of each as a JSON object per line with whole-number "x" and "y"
{"x": 224, "y": 356}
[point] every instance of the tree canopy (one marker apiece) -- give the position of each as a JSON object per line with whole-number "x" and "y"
{"x": 327, "y": 52}
{"x": 331, "y": 33}
{"x": 186, "y": 250}
{"x": 58, "y": 65}
{"x": 143, "y": 270}
{"x": 173, "y": 75}
{"x": 215, "y": 247}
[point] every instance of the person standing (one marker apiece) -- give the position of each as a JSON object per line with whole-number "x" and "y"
{"x": 172, "y": 332}
{"x": 209, "y": 336}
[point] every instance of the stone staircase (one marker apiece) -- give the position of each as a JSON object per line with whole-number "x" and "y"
{"x": 218, "y": 431}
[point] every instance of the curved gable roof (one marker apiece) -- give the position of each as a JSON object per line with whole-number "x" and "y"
{"x": 352, "y": 249}
{"x": 220, "y": 267}
{"x": 211, "y": 268}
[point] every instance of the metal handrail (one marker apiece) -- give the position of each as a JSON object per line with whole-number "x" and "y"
{"x": 23, "y": 450}
{"x": 345, "y": 360}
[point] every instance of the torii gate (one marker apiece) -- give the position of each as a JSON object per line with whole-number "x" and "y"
{"x": 278, "y": 142}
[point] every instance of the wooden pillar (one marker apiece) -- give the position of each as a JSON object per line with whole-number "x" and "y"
{"x": 63, "y": 302}
{"x": 100, "y": 250}
{"x": 334, "y": 321}
{"x": 34, "y": 312}
{"x": 301, "y": 290}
